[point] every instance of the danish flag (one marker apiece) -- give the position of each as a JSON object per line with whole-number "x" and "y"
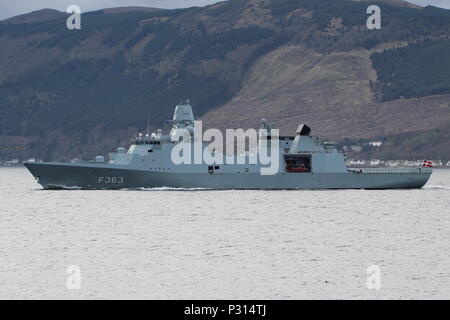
{"x": 427, "y": 164}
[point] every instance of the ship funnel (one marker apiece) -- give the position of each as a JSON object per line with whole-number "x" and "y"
{"x": 303, "y": 130}
{"x": 183, "y": 112}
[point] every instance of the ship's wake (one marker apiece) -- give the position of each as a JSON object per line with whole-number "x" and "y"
{"x": 166, "y": 189}
{"x": 436, "y": 188}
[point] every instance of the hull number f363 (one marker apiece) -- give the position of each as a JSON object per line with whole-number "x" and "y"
{"x": 110, "y": 180}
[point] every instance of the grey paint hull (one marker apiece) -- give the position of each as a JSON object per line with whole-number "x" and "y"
{"x": 92, "y": 176}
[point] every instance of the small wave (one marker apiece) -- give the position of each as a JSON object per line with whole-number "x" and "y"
{"x": 60, "y": 187}
{"x": 436, "y": 188}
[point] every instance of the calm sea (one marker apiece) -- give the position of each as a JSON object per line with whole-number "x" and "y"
{"x": 159, "y": 244}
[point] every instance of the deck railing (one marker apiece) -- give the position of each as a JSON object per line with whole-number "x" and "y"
{"x": 390, "y": 170}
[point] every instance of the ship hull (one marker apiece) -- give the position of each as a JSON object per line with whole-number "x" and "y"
{"x": 104, "y": 177}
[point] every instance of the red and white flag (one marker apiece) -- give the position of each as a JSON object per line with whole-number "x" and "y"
{"x": 427, "y": 164}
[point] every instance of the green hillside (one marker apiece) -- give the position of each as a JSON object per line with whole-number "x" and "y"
{"x": 414, "y": 71}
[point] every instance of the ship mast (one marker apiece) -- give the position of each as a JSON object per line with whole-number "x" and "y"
{"x": 148, "y": 123}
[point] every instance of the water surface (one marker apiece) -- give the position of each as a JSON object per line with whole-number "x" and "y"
{"x": 159, "y": 244}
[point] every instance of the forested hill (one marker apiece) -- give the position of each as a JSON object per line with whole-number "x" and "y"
{"x": 77, "y": 93}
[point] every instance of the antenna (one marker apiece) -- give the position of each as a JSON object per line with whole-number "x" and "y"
{"x": 148, "y": 123}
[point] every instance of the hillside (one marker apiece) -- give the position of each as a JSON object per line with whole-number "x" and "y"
{"x": 66, "y": 94}
{"x": 36, "y": 16}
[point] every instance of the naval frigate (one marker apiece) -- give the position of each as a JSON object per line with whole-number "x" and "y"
{"x": 305, "y": 162}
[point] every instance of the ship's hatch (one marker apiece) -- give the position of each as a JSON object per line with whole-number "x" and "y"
{"x": 298, "y": 163}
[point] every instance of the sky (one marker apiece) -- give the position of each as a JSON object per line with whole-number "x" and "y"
{"x": 10, "y": 8}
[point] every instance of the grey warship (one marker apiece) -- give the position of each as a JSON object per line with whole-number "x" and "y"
{"x": 305, "y": 162}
